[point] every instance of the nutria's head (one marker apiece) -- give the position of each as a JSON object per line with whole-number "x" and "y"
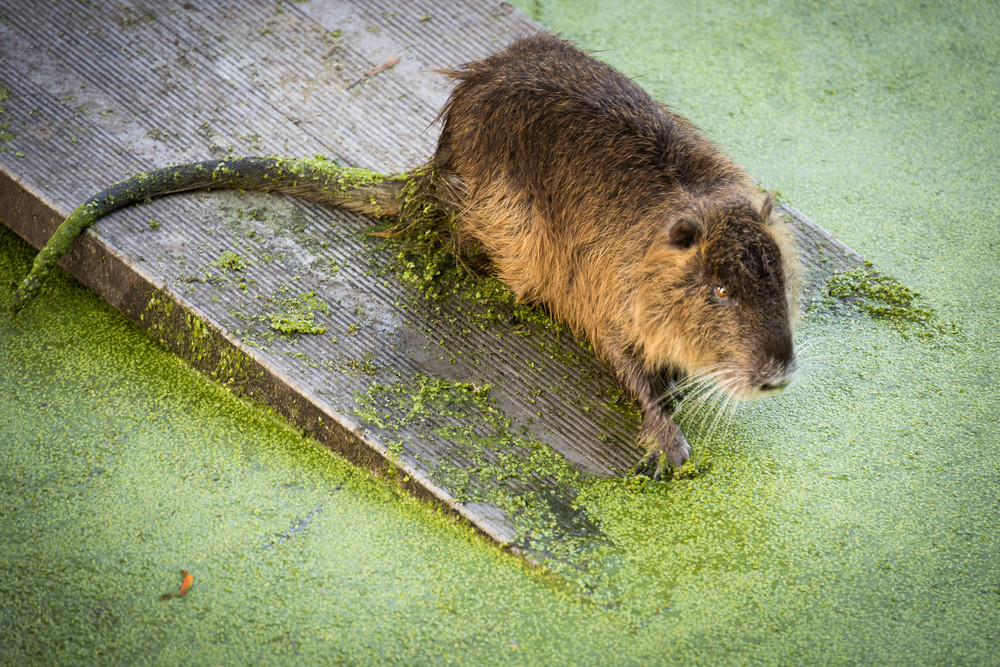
{"x": 717, "y": 298}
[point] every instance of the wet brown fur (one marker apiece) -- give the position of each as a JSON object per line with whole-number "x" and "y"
{"x": 599, "y": 202}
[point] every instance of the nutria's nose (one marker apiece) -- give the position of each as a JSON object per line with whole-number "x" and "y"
{"x": 785, "y": 371}
{"x": 774, "y": 387}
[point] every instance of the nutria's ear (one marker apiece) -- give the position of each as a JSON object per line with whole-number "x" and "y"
{"x": 764, "y": 203}
{"x": 684, "y": 233}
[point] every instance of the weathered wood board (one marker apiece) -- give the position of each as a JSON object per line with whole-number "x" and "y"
{"x": 396, "y": 381}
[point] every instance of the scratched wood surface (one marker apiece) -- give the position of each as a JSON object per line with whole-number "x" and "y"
{"x": 445, "y": 394}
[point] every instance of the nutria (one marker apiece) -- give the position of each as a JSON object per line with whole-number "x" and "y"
{"x": 589, "y": 197}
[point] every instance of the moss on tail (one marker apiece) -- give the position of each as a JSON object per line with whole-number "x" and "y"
{"x": 56, "y": 247}
{"x": 314, "y": 179}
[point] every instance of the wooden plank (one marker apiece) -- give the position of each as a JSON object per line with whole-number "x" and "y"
{"x": 102, "y": 90}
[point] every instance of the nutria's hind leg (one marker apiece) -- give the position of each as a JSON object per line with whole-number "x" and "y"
{"x": 657, "y": 395}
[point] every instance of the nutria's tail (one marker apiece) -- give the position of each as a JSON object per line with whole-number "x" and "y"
{"x": 317, "y": 180}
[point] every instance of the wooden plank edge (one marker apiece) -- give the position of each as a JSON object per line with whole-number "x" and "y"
{"x": 211, "y": 351}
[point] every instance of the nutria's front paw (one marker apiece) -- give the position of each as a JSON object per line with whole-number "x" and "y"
{"x": 668, "y": 448}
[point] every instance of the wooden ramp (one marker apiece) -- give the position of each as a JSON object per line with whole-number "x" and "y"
{"x": 491, "y": 413}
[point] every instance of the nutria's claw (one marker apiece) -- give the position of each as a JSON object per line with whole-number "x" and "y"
{"x": 657, "y": 466}
{"x": 668, "y": 451}
{"x": 654, "y": 466}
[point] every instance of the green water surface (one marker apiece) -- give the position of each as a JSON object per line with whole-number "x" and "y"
{"x": 853, "y": 519}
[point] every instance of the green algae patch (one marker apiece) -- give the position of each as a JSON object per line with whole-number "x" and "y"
{"x": 297, "y": 315}
{"x": 867, "y": 290}
{"x": 878, "y": 295}
{"x": 5, "y": 133}
{"x": 337, "y": 177}
{"x": 423, "y": 263}
{"x": 230, "y": 261}
{"x": 491, "y": 461}
{"x": 430, "y": 258}
{"x": 292, "y": 324}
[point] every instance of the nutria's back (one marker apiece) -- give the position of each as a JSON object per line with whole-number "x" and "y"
{"x": 598, "y": 201}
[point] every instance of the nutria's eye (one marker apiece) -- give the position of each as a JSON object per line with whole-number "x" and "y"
{"x": 721, "y": 293}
